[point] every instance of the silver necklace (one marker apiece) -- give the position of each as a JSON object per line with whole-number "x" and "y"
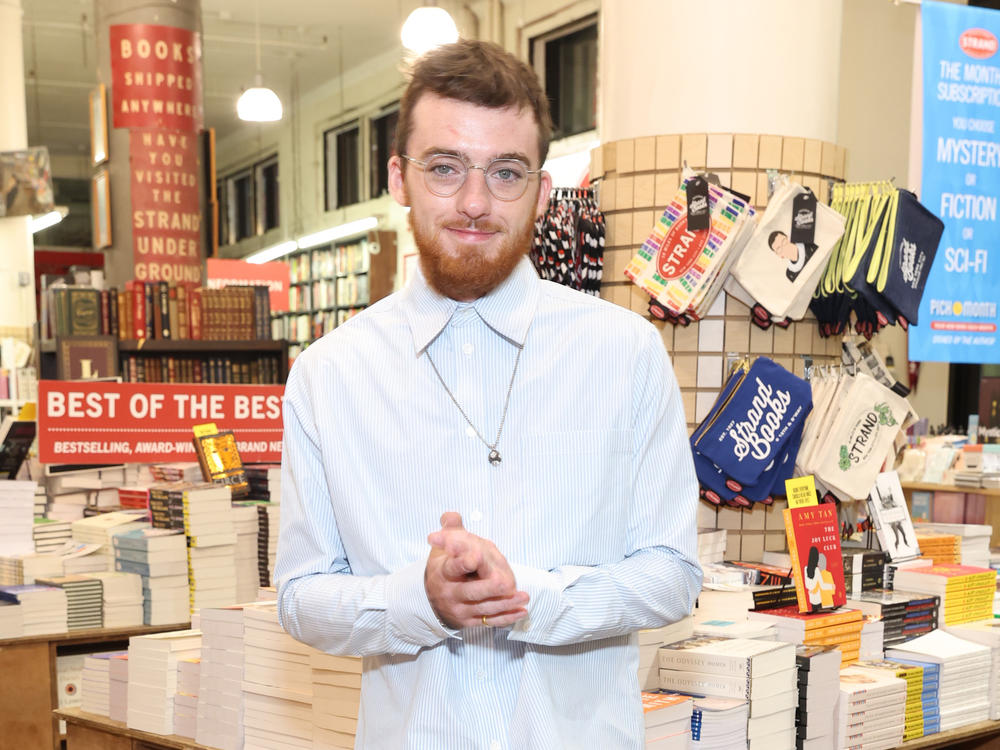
{"x": 494, "y": 455}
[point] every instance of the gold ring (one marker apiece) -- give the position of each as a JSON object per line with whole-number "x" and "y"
{"x": 484, "y": 621}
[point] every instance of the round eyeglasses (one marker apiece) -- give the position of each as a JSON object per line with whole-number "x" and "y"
{"x": 444, "y": 175}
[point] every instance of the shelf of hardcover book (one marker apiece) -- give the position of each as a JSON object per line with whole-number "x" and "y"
{"x": 197, "y": 361}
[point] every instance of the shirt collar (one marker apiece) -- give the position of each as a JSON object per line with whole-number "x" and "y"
{"x": 508, "y": 309}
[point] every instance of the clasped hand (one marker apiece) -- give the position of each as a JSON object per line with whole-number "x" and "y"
{"x": 467, "y": 579}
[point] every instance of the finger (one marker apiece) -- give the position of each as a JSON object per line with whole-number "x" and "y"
{"x": 451, "y": 519}
{"x": 459, "y": 567}
{"x": 502, "y": 620}
{"x": 480, "y": 589}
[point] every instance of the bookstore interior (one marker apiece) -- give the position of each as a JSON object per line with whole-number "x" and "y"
{"x": 811, "y": 243}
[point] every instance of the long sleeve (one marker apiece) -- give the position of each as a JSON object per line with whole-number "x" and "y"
{"x": 660, "y": 577}
{"x": 321, "y": 602}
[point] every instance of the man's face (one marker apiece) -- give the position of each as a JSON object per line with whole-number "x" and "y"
{"x": 469, "y": 242}
{"x": 784, "y": 248}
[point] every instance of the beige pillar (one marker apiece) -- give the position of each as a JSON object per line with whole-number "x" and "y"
{"x": 17, "y": 299}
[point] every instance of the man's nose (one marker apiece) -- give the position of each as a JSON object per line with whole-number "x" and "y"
{"x": 474, "y": 197}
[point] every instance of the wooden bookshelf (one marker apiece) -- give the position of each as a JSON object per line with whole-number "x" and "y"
{"x": 992, "y": 515}
{"x": 28, "y": 692}
{"x": 86, "y": 731}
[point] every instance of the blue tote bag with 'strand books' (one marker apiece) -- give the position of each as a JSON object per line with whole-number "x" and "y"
{"x": 758, "y": 415}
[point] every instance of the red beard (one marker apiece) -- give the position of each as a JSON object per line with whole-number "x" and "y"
{"x": 470, "y": 273}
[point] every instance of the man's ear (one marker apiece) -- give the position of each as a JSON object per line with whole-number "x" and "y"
{"x": 397, "y": 182}
{"x": 544, "y": 191}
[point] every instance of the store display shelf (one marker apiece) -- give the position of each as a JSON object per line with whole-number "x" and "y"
{"x": 199, "y": 345}
{"x": 981, "y": 735}
{"x": 921, "y": 486}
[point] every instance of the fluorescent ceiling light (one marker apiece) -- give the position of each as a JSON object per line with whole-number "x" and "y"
{"x": 427, "y": 28}
{"x": 338, "y": 232}
{"x": 44, "y": 221}
{"x": 272, "y": 252}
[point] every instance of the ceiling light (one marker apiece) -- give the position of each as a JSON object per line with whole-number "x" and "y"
{"x": 427, "y": 28}
{"x": 44, "y": 221}
{"x": 338, "y": 232}
{"x": 258, "y": 104}
{"x": 272, "y": 252}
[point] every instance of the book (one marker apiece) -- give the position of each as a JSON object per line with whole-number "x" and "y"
{"x": 220, "y": 461}
{"x": 891, "y": 519}
{"x": 728, "y": 656}
{"x": 813, "y": 534}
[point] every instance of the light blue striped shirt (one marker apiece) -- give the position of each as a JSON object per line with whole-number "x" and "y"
{"x": 593, "y": 505}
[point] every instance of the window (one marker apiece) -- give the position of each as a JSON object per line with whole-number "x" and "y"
{"x": 566, "y": 61}
{"x": 248, "y": 201}
{"x": 383, "y": 134}
{"x": 266, "y": 184}
{"x": 342, "y": 166}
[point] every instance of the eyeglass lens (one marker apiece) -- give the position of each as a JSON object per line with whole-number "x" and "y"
{"x": 505, "y": 178}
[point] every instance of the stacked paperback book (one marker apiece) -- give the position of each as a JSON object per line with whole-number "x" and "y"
{"x": 95, "y": 687}
{"x": 818, "y": 690}
{"x": 121, "y": 598}
{"x": 719, "y": 723}
{"x": 264, "y": 481}
{"x": 152, "y": 677}
{"x": 963, "y": 679}
{"x": 975, "y": 540}
{"x": 83, "y": 600}
{"x": 43, "y": 608}
{"x": 159, "y": 557}
{"x": 268, "y": 523}
{"x": 763, "y": 673}
{"x": 913, "y": 715}
{"x": 245, "y": 525}
{"x": 11, "y": 619}
{"x": 668, "y": 721}
{"x": 50, "y": 534}
{"x": 118, "y": 687}
{"x": 17, "y": 512}
{"x": 220, "y": 694}
{"x": 208, "y": 524}
{"x": 336, "y": 688}
{"x": 864, "y": 570}
{"x": 904, "y": 615}
{"x": 966, "y": 592}
{"x": 186, "y": 698}
{"x": 649, "y": 645}
{"x": 940, "y": 548}
{"x": 100, "y": 528}
{"x": 870, "y": 709}
{"x": 841, "y": 628}
{"x": 985, "y": 633}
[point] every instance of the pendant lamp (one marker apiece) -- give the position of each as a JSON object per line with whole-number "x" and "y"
{"x": 426, "y": 28}
{"x": 259, "y": 103}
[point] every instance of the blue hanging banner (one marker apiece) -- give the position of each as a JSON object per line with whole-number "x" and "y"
{"x": 961, "y": 184}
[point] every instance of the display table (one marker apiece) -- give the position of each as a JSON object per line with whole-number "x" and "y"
{"x": 979, "y": 736}
{"x": 86, "y": 731}
{"x": 28, "y": 690}
{"x": 991, "y": 496}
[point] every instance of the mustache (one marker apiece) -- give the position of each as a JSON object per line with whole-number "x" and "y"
{"x": 475, "y": 226}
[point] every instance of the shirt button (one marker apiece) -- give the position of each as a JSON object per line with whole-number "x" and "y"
{"x": 494, "y": 745}
{"x": 476, "y": 515}
{"x": 470, "y": 431}
{"x": 467, "y": 348}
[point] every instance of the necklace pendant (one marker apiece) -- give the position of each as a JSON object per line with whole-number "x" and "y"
{"x": 494, "y": 456}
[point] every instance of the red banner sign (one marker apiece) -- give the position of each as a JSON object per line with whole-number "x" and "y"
{"x": 156, "y": 77}
{"x": 275, "y": 276}
{"x": 103, "y": 422}
{"x": 166, "y": 222}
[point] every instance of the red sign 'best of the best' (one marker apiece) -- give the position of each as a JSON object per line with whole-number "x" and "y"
{"x": 156, "y": 77}
{"x": 103, "y": 422}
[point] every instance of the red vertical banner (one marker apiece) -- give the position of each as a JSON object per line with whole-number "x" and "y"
{"x": 166, "y": 217}
{"x": 156, "y": 77}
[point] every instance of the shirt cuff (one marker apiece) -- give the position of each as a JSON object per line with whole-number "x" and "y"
{"x": 546, "y": 603}
{"x": 411, "y": 617}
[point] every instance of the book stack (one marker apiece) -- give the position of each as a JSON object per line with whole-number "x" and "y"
{"x": 975, "y": 540}
{"x": 245, "y": 525}
{"x": 964, "y": 677}
{"x": 41, "y": 500}
{"x": 17, "y": 513}
{"x": 43, "y": 608}
{"x": 336, "y": 689}
{"x": 863, "y": 570}
{"x": 711, "y": 545}
{"x": 95, "y": 685}
{"x": 966, "y": 592}
{"x": 50, "y": 534}
{"x": 818, "y": 689}
{"x": 118, "y": 687}
{"x": 841, "y": 627}
{"x": 931, "y": 680}
{"x": 904, "y": 615}
{"x": 220, "y": 695}
{"x": 83, "y": 557}
{"x": 718, "y": 601}
{"x": 69, "y": 506}
{"x": 186, "y": 698}
{"x": 18, "y": 569}
{"x": 268, "y": 523}
{"x": 913, "y": 676}
{"x": 739, "y": 628}
{"x": 121, "y": 598}
{"x": 938, "y": 547}
{"x": 99, "y": 530}
{"x": 83, "y": 600}
{"x": 872, "y": 644}
{"x": 277, "y": 683}
{"x": 668, "y": 720}
{"x": 719, "y": 723}
{"x": 208, "y": 523}
{"x": 760, "y": 672}
{"x": 264, "y": 481}
{"x": 158, "y": 556}
{"x": 178, "y": 471}
{"x": 650, "y": 641}
{"x": 78, "y": 489}
{"x": 11, "y": 619}
{"x": 870, "y": 709}
{"x": 985, "y": 633}
{"x": 152, "y": 677}
{"x": 133, "y": 496}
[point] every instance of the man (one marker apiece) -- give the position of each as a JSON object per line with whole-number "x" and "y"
{"x": 533, "y": 435}
{"x": 796, "y": 253}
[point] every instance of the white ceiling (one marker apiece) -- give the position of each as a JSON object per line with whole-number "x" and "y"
{"x": 307, "y": 39}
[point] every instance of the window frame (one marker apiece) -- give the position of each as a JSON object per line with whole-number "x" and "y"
{"x": 377, "y": 162}
{"x": 536, "y": 45}
{"x": 229, "y": 224}
{"x": 331, "y": 165}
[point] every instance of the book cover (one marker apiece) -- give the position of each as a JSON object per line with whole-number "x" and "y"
{"x": 84, "y": 307}
{"x": 220, "y": 461}
{"x": 733, "y": 656}
{"x": 813, "y": 534}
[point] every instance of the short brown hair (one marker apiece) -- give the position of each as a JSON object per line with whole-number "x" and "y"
{"x": 480, "y": 73}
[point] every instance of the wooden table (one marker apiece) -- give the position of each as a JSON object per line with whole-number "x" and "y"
{"x": 28, "y": 688}
{"x": 86, "y": 731}
{"x": 984, "y": 735}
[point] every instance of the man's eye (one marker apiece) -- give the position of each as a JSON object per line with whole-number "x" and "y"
{"x": 443, "y": 170}
{"x": 507, "y": 174}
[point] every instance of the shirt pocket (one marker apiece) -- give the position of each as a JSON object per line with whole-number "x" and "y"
{"x": 575, "y": 496}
